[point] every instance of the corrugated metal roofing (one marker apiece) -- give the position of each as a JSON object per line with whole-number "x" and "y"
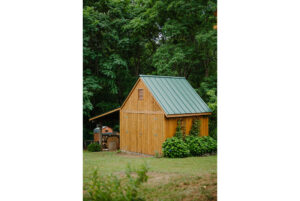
{"x": 175, "y": 94}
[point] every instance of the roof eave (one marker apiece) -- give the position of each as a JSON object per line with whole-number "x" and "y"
{"x": 188, "y": 114}
{"x": 104, "y": 114}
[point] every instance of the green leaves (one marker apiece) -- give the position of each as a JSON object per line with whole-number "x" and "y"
{"x": 94, "y": 147}
{"x": 175, "y": 148}
{"x": 178, "y": 133}
{"x": 91, "y": 85}
{"x": 114, "y": 188}
{"x": 195, "y": 130}
{"x": 196, "y": 146}
{"x": 199, "y": 146}
{"x": 122, "y": 39}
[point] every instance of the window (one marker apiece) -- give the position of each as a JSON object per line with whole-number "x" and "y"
{"x": 141, "y": 94}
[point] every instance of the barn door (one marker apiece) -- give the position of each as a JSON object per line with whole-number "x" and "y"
{"x": 140, "y": 133}
{"x": 157, "y": 131}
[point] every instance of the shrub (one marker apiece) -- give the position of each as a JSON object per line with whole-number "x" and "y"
{"x": 195, "y": 128}
{"x": 178, "y": 133}
{"x": 175, "y": 148}
{"x": 213, "y": 134}
{"x": 201, "y": 145}
{"x": 112, "y": 188}
{"x": 94, "y": 147}
{"x": 196, "y": 145}
{"x": 211, "y": 144}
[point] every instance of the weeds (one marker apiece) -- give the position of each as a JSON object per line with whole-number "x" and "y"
{"x": 112, "y": 188}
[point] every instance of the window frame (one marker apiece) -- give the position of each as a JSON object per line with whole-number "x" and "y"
{"x": 140, "y": 94}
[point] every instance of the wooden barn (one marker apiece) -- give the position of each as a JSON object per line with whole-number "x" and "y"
{"x": 150, "y": 113}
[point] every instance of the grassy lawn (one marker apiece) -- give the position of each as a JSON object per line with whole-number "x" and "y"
{"x": 192, "y": 178}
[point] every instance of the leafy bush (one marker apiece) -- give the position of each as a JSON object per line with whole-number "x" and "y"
{"x": 211, "y": 144}
{"x": 111, "y": 188}
{"x": 196, "y": 145}
{"x": 178, "y": 133}
{"x": 195, "y": 130}
{"x": 94, "y": 147}
{"x": 213, "y": 134}
{"x": 201, "y": 145}
{"x": 175, "y": 148}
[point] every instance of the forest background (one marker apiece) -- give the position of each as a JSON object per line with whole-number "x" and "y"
{"x": 125, "y": 38}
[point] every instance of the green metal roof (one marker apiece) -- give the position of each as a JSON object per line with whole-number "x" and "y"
{"x": 175, "y": 94}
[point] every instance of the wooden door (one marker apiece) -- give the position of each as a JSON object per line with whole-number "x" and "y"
{"x": 145, "y": 131}
{"x": 157, "y": 134}
{"x": 140, "y": 133}
{"x": 134, "y": 133}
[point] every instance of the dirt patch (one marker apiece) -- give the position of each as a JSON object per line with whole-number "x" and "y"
{"x": 181, "y": 187}
{"x": 202, "y": 188}
{"x": 156, "y": 178}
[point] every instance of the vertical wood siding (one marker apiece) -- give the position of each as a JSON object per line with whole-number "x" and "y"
{"x": 143, "y": 125}
{"x": 141, "y": 121}
{"x": 171, "y": 124}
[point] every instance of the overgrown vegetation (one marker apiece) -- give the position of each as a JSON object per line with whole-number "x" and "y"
{"x": 210, "y": 143}
{"x": 170, "y": 179}
{"x": 122, "y": 39}
{"x": 191, "y": 146}
{"x": 199, "y": 146}
{"x": 175, "y": 148}
{"x": 112, "y": 188}
{"x": 181, "y": 146}
{"x": 195, "y": 130}
{"x": 178, "y": 134}
{"x": 94, "y": 147}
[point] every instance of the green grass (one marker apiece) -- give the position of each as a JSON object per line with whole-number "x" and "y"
{"x": 189, "y": 178}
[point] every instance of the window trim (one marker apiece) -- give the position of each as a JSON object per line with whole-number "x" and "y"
{"x": 140, "y": 94}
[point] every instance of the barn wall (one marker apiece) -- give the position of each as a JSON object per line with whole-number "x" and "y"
{"x": 171, "y": 124}
{"x": 141, "y": 123}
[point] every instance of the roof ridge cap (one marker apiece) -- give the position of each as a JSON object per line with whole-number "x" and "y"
{"x": 162, "y": 76}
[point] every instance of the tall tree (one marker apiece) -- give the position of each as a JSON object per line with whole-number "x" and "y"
{"x": 125, "y": 38}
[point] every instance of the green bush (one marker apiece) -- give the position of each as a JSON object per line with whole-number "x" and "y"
{"x": 112, "y": 188}
{"x": 199, "y": 146}
{"x": 213, "y": 134}
{"x": 196, "y": 145}
{"x": 195, "y": 130}
{"x": 211, "y": 144}
{"x": 175, "y": 148}
{"x": 178, "y": 133}
{"x": 94, "y": 147}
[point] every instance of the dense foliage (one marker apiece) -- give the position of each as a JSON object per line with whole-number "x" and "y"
{"x": 94, "y": 147}
{"x": 175, "y": 148}
{"x": 195, "y": 130}
{"x": 178, "y": 133}
{"x": 199, "y": 146}
{"x": 195, "y": 145}
{"x": 125, "y": 38}
{"x": 112, "y": 188}
{"x": 210, "y": 143}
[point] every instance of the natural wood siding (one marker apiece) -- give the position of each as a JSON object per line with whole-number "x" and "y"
{"x": 171, "y": 124}
{"x": 147, "y": 105}
{"x": 141, "y": 123}
{"x": 204, "y": 126}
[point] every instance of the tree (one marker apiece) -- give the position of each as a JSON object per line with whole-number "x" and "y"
{"x": 125, "y": 38}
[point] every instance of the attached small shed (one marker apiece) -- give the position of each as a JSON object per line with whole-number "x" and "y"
{"x": 150, "y": 113}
